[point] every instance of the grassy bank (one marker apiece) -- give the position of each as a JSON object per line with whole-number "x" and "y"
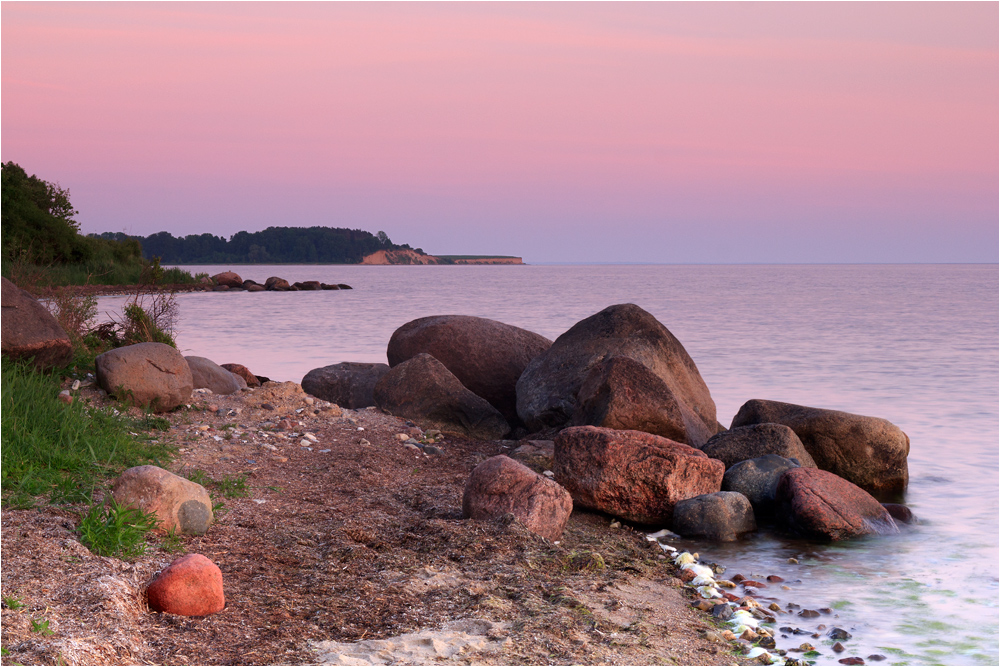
{"x": 58, "y": 453}
{"x": 34, "y": 277}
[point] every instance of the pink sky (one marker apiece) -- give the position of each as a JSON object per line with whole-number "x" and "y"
{"x": 649, "y": 132}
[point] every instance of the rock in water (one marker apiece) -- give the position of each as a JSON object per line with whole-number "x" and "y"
{"x": 750, "y": 442}
{"x": 189, "y": 586}
{"x": 757, "y": 479}
{"x": 178, "y": 503}
{"x": 228, "y": 278}
{"x": 724, "y": 516}
{"x": 866, "y": 451}
{"x": 276, "y": 284}
{"x": 501, "y": 485}
{"x": 631, "y": 474}
{"x": 147, "y": 374}
{"x": 486, "y": 356}
{"x": 349, "y": 384}
{"x": 820, "y": 505}
{"x": 548, "y": 389}
{"x": 244, "y": 372}
{"x": 29, "y": 330}
{"x": 423, "y": 390}
{"x": 206, "y": 374}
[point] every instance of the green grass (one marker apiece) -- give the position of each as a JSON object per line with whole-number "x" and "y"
{"x": 230, "y": 486}
{"x": 12, "y": 602}
{"x": 113, "y": 530}
{"x": 58, "y": 453}
{"x": 41, "y": 626}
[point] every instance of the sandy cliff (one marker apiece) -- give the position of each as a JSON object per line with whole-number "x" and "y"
{"x": 412, "y": 257}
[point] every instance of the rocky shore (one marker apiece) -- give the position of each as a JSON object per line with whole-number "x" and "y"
{"x": 489, "y": 475}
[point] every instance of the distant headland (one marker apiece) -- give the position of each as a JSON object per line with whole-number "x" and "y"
{"x": 403, "y": 257}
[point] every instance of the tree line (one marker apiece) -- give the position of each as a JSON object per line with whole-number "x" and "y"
{"x": 274, "y": 245}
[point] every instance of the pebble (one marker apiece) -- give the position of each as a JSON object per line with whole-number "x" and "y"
{"x": 310, "y": 400}
{"x": 774, "y": 579}
{"x": 839, "y": 634}
{"x": 786, "y": 588}
{"x": 325, "y": 451}
{"x": 76, "y": 385}
{"x": 259, "y": 501}
{"x": 774, "y": 606}
{"x": 876, "y": 657}
{"x": 65, "y": 396}
{"x": 749, "y": 635}
{"x": 851, "y": 661}
{"x": 793, "y": 561}
{"x": 403, "y": 437}
{"x": 364, "y": 443}
{"x": 549, "y": 473}
{"x": 839, "y": 648}
{"x": 722, "y": 612}
{"x": 266, "y": 406}
{"x": 411, "y": 446}
{"x": 305, "y": 443}
{"x": 616, "y": 524}
{"x": 284, "y": 425}
{"x": 280, "y": 459}
{"x": 431, "y": 449}
{"x": 203, "y": 390}
{"x": 266, "y": 445}
{"x": 310, "y": 436}
{"x": 809, "y": 613}
{"x": 212, "y": 407}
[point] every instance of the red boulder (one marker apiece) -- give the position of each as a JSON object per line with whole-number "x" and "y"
{"x": 819, "y": 505}
{"x": 189, "y": 586}
{"x": 501, "y": 485}
{"x": 633, "y": 475}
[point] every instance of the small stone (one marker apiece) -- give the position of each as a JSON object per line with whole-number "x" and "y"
{"x": 616, "y": 524}
{"x": 876, "y": 657}
{"x": 431, "y": 449}
{"x": 786, "y": 588}
{"x": 189, "y": 586}
{"x": 403, "y": 437}
{"x": 310, "y": 436}
{"x": 549, "y": 473}
{"x": 65, "y": 396}
{"x": 703, "y": 605}
{"x": 687, "y": 576}
{"x": 754, "y": 584}
{"x": 805, "y": 647}
{"x": 75, "y": 385}
{"x": 839, "y": 634}
{"x": 749, "y": 635}
{"x": 212, "y": 407}
{"x": 737, "y": 578}
{"x": 767, "y": 642}
{"x": 364, "y": 443}
{"x": 722, "y": 612}
{"x": 267, "y": 445}
{"x": 809, "y": 613}
{"x": 280, "y": 459}
{"x": 839, "y": 648}
{"x": 714, "y": 637}
{"x": 774, "y": 606}
{"x": 725, "y": 583}
{"x": 411, "y": 446}
{"x": 825, "y": 610}
{"x": 305, "y": 443}
{"x": 266, "y": 406}
{"x": 851, "y": 661}
{"x": 793, "y": 561}
{"x": 774, "y": 579}
{"x": 310, "y": 400}
{"x": 284, "y": 425}
{"x": 729, "y": 635}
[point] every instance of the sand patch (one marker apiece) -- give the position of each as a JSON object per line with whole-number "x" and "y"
{"x": 458, "y": 639}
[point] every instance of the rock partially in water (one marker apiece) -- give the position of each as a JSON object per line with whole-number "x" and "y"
{"x": 820, "y": 505}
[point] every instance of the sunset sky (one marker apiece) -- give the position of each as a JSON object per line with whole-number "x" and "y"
{"x": 647, "y": 132}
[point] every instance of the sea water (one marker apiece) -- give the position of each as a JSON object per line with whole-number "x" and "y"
{"x": 914, "y": 344}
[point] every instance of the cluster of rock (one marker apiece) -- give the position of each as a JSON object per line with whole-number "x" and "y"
{"x": 191, "y": 585}
{"x": 228, "y": 280}
{"x": 635, "y": 430}
{"x": 157, "y": 376}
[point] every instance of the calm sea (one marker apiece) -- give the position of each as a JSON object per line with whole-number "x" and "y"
{"x": 914, "y": 344}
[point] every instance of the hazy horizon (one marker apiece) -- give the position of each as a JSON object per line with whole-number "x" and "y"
{"x": 562, "y": 133}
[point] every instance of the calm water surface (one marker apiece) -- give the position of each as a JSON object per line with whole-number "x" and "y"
{"x": 914, "y": 344}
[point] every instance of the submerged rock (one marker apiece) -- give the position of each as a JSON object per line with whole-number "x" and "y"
{"x": 820, "y": 505}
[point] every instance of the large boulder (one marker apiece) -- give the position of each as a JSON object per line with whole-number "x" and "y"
{"x": 244, "y": 372}
{"x": 622, "y": 393}
{"x": 500, "y": 486}
{"x": 178, "y": 503}
{"x": 631, "y": 474}
{"x": 228, "y": 278}
{"x": 349, "y": 384}
{"x": 757, "y": 479}
{"x": 724, "y": 516}
{"x": 423, "y": 390}
{"x": 750, "y": 442}
{"x": 190, "y": 586}
{"x": 867, "y": 451}
{"x": 30, "y": 331}
{"x": 548, "y": 390}
{"x": 820, "y": 505}
{"x": 206, "y": 374}
{"x": 485, "y": 355}
{"x": 148, "y": 374}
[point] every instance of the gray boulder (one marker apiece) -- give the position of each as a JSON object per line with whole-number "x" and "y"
{"x": 723, "y": 516}
{"x": 147, "y": 374}
{"x": 423, "y": 390}
{"x": 548, "y": 389}
{"x": 486, "y": 356}
{"x": 866, "y": 451}
{"x": 178, "y": 503}
{"x": 349, "y": 384}
{"x": 757, "y": 479}
{"x": 749, "y": 442}
{"x": 206, "y": 374}
{"x": 30, "y": 331}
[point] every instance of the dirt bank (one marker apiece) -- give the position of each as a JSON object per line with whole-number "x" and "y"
{"x": 348, "y": 538}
